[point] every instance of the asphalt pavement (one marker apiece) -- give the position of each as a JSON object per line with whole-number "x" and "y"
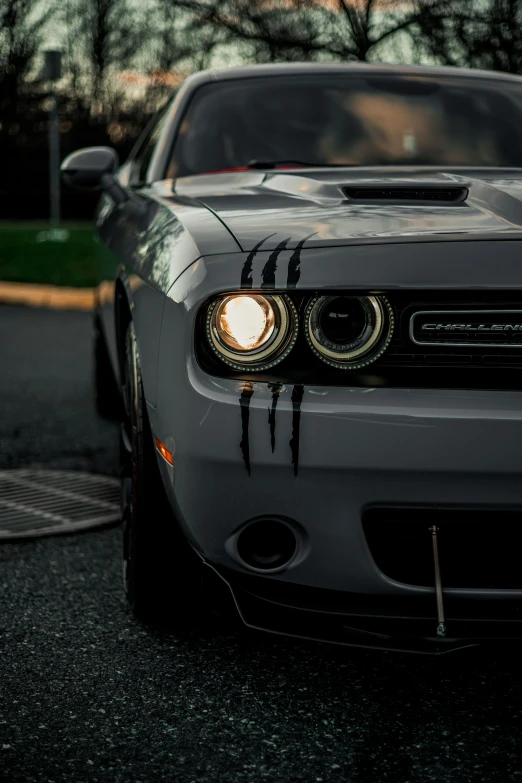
{"x": 88, "y": 695}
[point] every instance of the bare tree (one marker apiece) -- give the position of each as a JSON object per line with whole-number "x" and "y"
{"x": 103, "y": 38}
{"x": 486, "y": 34}
{"x": 175, "y": 39}
{"x": 269, "y": 30}
{"x": 22, "y": 24}
{"x": 21, "y": 27}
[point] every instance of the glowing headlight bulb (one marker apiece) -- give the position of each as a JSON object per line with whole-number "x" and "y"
{"x": 245, "y": 322}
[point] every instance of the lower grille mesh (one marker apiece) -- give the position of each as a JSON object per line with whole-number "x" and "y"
{"x": 478, "y": 549}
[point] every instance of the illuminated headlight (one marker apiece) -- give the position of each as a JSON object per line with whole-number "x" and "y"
{"x": 349, "y": 332}
{"x": 251, "y": 331}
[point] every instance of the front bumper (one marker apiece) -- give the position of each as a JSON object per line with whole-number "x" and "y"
{"x": 338, "y": 452}
{"x": 323, "y": 455}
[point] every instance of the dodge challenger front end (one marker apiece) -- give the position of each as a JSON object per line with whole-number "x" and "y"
{"x": 320, "y": 353}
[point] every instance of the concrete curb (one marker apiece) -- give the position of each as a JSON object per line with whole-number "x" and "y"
{"x": 52, "y": 296}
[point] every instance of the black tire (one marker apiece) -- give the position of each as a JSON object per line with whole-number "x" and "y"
{"x": 107, "y": 396}
{"x": 162, "y": 574}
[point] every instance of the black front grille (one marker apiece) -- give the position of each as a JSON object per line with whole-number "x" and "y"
{"x": 477, "y": 548}
{"x": 467, "y": 328}
{"x": 486, "y": 350}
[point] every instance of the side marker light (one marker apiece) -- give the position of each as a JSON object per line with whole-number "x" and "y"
{"x": 165, "y": 453}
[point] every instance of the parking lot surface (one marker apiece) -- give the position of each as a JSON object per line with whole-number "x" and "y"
{"x": 88, "y": 695}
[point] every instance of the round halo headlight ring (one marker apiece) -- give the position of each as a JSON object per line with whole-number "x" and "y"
{"x": 278, "y": 340}
{"x": 361, "y": 348}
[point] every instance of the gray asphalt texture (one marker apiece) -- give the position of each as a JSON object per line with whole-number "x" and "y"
{"x": 88, "y": 695}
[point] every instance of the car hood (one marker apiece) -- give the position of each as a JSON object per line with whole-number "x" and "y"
{"x": 284, "y": 210}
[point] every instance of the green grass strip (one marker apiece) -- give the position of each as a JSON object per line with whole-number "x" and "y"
{"x": 30, "y": 254}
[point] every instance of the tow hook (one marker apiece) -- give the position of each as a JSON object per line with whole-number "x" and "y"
{"x": 441, "y": 622}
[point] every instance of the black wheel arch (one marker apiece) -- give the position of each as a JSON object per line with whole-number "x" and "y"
{"x": 122, "y": 318}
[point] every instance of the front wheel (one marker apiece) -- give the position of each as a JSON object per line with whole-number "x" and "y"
{"x": 161, "y": 572}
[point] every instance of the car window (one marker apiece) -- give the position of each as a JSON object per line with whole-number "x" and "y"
{"x": 353, "y": 120}
{"x": 142, "y": 157}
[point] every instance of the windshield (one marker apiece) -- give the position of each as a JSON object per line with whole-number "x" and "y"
{"x": 377, "y": 120}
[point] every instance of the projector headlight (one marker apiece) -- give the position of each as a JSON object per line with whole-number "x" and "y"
{"x": 251, "y": 331}
{"x": 349, "y": 332}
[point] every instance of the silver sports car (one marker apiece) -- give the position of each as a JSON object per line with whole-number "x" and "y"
{"x": 314, "y": 342}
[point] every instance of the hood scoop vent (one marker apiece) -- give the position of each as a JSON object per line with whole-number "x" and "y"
{"x": 425, "y": 194}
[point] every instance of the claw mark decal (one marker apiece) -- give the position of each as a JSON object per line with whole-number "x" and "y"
{"x": 269, "y": 270}
{"x": 244, "y": 401}
{"x": 294, "y": 265}
{"x": 276, "y": 389}
{"x": 297, "y": 398}
{"x": 246, "y": 272}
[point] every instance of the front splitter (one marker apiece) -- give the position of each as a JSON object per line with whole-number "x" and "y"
{"x": 260, "y": 613}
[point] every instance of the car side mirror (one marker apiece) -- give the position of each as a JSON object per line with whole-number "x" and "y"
{"x": 90, "y": 168}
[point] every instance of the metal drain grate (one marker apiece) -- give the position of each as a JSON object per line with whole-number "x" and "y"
{"x": 49, "y": 502}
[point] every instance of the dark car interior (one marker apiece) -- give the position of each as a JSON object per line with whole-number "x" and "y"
{"x": 340, "y": 120}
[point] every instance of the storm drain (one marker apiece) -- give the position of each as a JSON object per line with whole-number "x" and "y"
{"x": 50, "y": 502}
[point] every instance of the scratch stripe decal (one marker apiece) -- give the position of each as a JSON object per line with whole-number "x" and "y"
{"x": 244, "y": 402}
{"x": 297, "y": 398}
{"x": 270, "y": 268}
{"x": 294, "y": 265}
{"x": 246, "y": 272}
{"x": 275, "y": 388}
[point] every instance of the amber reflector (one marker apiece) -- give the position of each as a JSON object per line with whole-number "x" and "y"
{"x": 165, "y": 453}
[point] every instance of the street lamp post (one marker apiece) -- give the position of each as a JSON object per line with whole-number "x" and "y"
{"x": 53, "y": 69}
